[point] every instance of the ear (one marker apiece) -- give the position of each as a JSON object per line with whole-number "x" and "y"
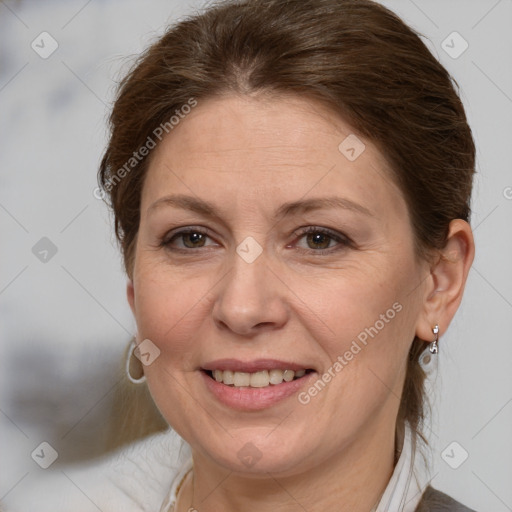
{"x": 130, "y": 295}
{"x": 447, "y": 280}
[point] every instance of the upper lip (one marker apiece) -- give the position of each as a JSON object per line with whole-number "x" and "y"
{"x": 255, "y": 365}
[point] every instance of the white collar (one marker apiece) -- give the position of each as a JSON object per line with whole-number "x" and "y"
{"x": 402, "y": 494}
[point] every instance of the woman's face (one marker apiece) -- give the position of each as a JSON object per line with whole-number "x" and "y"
{"x": 226, "y": 277}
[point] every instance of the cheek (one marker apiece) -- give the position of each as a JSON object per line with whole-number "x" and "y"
{"x": 360, "y": 305}
{"x": 368, "y": 321}
{"x": 172, "y": 311}
{"x": 167, "y": 309}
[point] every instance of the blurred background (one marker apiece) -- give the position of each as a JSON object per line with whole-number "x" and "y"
{"x": 64, "y": 319}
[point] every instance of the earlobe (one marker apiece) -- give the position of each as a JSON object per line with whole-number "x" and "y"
{"x": 130, "y": 295}
{"x": 448, "y": 278}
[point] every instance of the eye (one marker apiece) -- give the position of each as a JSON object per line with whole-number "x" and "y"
{"x": 191, "y": 238}
{"x": 320, "y": 240}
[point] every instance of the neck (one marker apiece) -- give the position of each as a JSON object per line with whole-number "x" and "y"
{"x": 350, "y": 480}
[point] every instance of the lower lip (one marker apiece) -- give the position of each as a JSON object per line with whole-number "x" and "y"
{"x": 254, "y": 399}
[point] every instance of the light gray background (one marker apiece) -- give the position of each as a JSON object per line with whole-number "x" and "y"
{"x": 64, "y": 323}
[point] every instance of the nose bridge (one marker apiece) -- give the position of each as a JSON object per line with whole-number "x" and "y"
{"x": 249, "y": 295}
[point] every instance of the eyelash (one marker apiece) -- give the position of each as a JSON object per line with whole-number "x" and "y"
{"x": 343, "y": 241}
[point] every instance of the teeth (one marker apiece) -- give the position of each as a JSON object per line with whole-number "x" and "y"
{"x": 276, "y": 376}
{"x": 228, "y": 377}
{"x": 241, "y": 379}
{"x": 288, "y": 375}
{"x": 257, "y": 379}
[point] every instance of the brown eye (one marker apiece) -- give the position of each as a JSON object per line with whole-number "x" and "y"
{"x": 322, "y": 240}
{"x": 318, "y": 240}
{"x": 186, "y": 239}
{"x": 196, "y": 239}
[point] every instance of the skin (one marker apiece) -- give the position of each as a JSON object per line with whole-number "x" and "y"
{"x": 248, "y": 156}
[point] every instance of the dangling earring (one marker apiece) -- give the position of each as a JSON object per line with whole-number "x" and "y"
{"x": 427, "y": 362}
{"x": 134, "y": 369}
{"x": 433, "y": 346}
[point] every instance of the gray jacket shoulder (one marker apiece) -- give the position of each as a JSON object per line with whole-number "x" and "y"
{"x": 437, "y": 501}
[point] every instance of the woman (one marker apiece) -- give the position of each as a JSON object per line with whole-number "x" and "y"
{"x": 291, "y": 183}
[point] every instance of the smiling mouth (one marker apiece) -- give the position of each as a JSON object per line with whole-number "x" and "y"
{"x": 259, "y": 379}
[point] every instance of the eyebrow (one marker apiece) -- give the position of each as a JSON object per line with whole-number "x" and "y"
{"x": 208, "y": 209}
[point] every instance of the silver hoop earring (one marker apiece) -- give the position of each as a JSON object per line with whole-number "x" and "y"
{"x": 134, "y": 369}
{"x": 433, "y": 346}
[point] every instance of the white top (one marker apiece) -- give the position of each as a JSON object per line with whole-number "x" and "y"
{"x": 144, "y": 476}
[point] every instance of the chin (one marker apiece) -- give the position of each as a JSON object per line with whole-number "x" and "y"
{"x": 259, "y": 454}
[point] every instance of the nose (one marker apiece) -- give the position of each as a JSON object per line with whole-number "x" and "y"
{"x": 250, "y": 298}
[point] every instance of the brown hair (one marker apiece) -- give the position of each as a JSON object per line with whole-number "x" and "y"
{"x": 357, "y": 57}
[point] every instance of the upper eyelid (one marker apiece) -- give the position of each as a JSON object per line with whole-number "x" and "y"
{"x": 327, "y": 231}
{"x": 187, "y": 229}
{"x": 298, "y": 231}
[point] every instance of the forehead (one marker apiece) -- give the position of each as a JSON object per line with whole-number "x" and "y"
{"x": 267, "y": 148}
